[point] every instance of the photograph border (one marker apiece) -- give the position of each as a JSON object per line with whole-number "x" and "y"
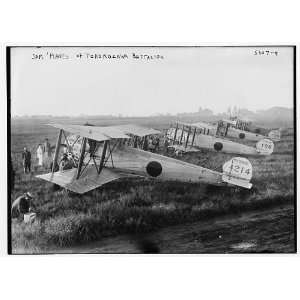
{"x": 9, "y": 162}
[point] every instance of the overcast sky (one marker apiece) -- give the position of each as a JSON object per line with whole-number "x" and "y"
{"x": 182, "y": 81}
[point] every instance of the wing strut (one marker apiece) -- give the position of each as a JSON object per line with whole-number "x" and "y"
{"x": 103, "y": 156}
{"x": 56, "y": 150}
{"x": 193, "y": 139}
{"x": 187, "y": 138}
{"x": 82, "y": 152}
{"x": 175, "y": 133}
{"x": 181, "y": 135}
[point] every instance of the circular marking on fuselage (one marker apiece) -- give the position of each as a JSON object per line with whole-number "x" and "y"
{"x": 218, "y": 146}
{"x": 242, "y": 135}
{"x": 154, "y": 168}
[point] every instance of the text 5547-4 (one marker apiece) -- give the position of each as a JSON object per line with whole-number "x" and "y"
{"x": 266, "y": 52}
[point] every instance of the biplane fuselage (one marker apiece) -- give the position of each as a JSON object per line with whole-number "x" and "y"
{"x": 231, "y": 132}
{"x": 230, "y": 129}
{"x": 152, "y": 165}
{"x": 248, "y": 127}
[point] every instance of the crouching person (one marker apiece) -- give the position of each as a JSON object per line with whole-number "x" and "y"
{"x": 22, "y": 205}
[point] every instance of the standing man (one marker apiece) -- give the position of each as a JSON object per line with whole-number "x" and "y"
{"x": 26, "y": 157}
{"x": 145, "y": 143}
{"x": 156, "y": 147}
{"x": 166, "y": 145}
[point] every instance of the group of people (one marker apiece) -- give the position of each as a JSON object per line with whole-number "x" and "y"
{"x": 147, "y": 143}
{"x": 153, "y": 143}
{"x": 24, "y": 204}
{"x": 43, "y": 154}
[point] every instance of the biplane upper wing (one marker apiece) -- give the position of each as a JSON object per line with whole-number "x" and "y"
{"x": 135, "y": 130}
{"x": 88, "y": 181}
{"x": 204, "y": 125}
{"x": 93, "y": 132}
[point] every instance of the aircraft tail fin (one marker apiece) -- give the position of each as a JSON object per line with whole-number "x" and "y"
{"x": 265, "y": 147}
{"x": 275, "y": 135}
{"x": 238, "y": 171}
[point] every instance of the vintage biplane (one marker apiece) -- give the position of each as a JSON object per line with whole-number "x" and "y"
{"x": 249, "y": 127}
{"x": 232, "y": 129}
{"x": 239, "y": 129}
{"x": 104, "y": 154}
{"x": 193, "y": 137}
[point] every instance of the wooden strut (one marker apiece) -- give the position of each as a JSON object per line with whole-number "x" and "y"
{"x": 92, "y": 157}
{"x": 110, "y": 154}
{"x": 57, "y": 147}
{"x": 68, "y": 145}
{"x": 226, "y": 131}
{"x": 77, "y": 138}
{"x": 187, "y": 138}
{"x": 182, "y": 131}
{"x": 82, "y": 152}
{"x": 194, "y": 134}
{"x": 103, "y": 156}
{"x": 175, "y": 133}
{"x": 144, "y": 142}
{"x": 134, "y": 142}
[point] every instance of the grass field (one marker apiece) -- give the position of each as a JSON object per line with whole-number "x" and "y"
{"x": 137, "y": 206}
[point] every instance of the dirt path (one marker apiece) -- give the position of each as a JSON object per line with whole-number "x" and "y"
{"x": 255, "y": 232}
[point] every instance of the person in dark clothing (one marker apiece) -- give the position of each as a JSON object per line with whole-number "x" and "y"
{"x": 26, "y": 157}
{"x": 166, "y": 145}
{"x": 156, "y": 144}
{"x": 56, "y": 166}
{"x": 92, "y": 145}
{"x": 145, "y": 143}
{"x": 22, "y": 205}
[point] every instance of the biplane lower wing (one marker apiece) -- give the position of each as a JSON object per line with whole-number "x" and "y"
{"x": 181, "y": 148}
{"x": 89, "y": 180}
